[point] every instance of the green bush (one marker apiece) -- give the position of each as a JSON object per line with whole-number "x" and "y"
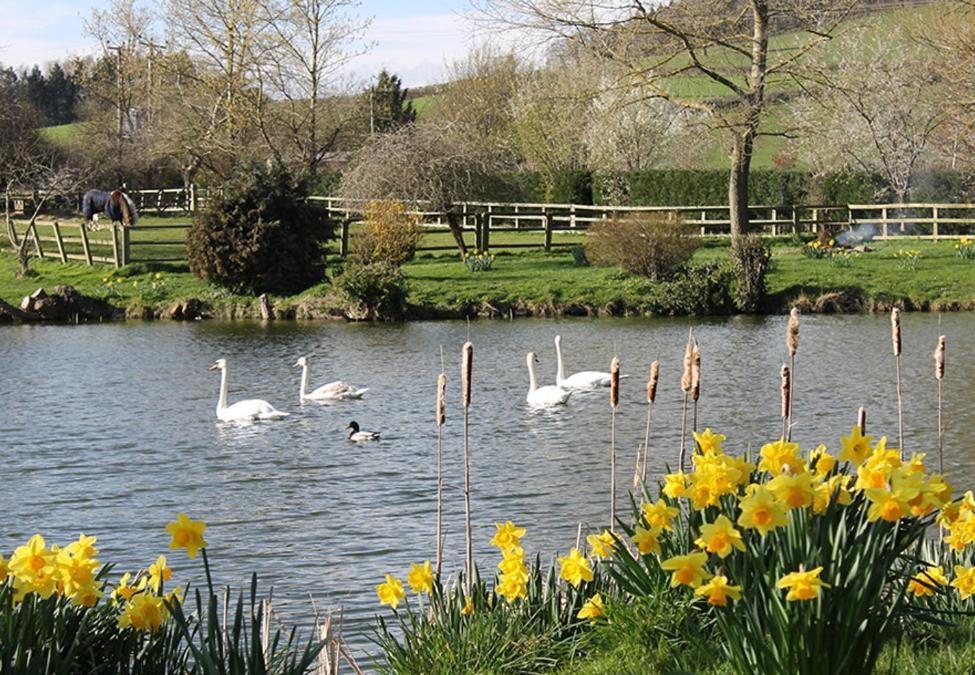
{"x": 651, "y": 245}
{"x": 258, "y": 234}
{"x": 700, "y": 187}
{"x": 372, "y": 291}
{"x": 699, "y": 289}
{"x": 852, "y": 188}
{"x": 572, "y": 187}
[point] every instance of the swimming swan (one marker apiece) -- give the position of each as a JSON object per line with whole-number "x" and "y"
{"x": 587, "y": 379}
{"x": 546, "y": 396}
{"x": 242, "y": 411}
{"x": 333, "y": 391}
{"x": 361, "y": 436}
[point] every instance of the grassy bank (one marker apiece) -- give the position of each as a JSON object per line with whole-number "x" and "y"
{"x": 530, "y": 281}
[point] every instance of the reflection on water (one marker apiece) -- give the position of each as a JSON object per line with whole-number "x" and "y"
{"x": 111, "y": 430}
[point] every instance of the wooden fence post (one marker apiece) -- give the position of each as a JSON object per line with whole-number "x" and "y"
{"x": 192, "y": 200}
{"x": 37, "y": 238}
{"x": 126, "y": 245}
{"x": 60, "y": 242}
{"x": 485, "y": 233}
{"x": 795, "y": 219}
{"x": 84, "y": 243}
{"x": 935, "y": 231}
{"x": 548, "y": 231}
{"x": 883, "y": 215}
{"x": 344, "y": 246}
{"x": 115, "y": 246}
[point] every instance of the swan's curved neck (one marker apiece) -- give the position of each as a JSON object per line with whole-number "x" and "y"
{"x": 222, "y": 401}
{"x": 558, "y": 356}
{"x": 304, "y": 380}
{"x": 532, "y": 383}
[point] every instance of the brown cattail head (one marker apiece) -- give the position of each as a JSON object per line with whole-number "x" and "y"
{"x": 652, "y": 382}
{"x": 895, "y": 330}
{"x": 862, "y": 419}
{"x": 786, "y": 391}
{"x": 441, "y": 395}
{"x": 792, "y": 332}
{"x": 614, "y": 382}
{"x": 939, "y": 359}
{"x": 695, "y": 374}
{"x": 685, "y": 378}
{"x": 466, "y": 366}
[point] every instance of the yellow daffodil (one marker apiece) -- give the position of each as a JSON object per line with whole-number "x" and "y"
{"x": 601, "y": 545}
{"x": 794, "y": 491}
{"x": 687, "y": 570}
{"x": 468, "y": 607}
{"x": 33, "y": 558}
{"x": 86, "y": 595}
{"x": 855, "y": 447}
{"x": 659, "y": 514}
{"x": 592, "y": 609}
{"x": 924, "y": 582}
{"x": 802, "y": 585}
{"x": 964, "y": 581}
{"x": 391, "y": 591}
{"x": 420, "y": 577}
{"x": 718, "y": 591}
{"x": 720, "y": 537}
{"x": 124, "y": 590}
{"x": 709, "y": 443}
{"x": 187, "y": 534}
{"x": 761, "y": 510}
{"x": 75, "y": 571}
{"x": 821, "y": 461}
{"x": 647, "y": 541}
{"x": 159, "y": 573}
{"x": 675, "y": 485}
{"x": 144, "y": 612}
{"x": 4, "y": 570}
{"x": 511, "y": 588}
{"x": 84, "y": 546}
{"x": 575, "y": 568}
{"x": 507, "y": 535}
{"x": 781, "y": 457}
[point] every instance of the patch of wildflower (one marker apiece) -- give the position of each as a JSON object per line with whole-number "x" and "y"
{"x": 478, "y": 261}
{"x": 907, "y": 258}
{"x": 965, "y": 248}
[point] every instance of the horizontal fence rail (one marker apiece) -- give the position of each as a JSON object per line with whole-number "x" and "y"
{"x": 479, "y": 220}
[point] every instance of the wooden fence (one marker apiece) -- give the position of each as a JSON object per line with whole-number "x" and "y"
{"x": 481, "y": 220}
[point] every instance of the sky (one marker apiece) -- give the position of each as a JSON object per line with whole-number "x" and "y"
{"x": 413, "y": 38}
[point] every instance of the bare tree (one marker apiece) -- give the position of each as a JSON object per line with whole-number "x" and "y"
{"x": 720, "y": 43}
{"x": 430, "y": 165}
{"x": 952, "y": 36}
{"x": 876, "y": 111}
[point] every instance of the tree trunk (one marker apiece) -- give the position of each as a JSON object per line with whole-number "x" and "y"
{"x": 741, "y": 159}
{"x": 455, "y": 224}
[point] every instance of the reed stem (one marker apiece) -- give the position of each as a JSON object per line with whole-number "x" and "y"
{"x": 441, "y": 416}
{"x": 685, "y": 385}
{"x": 466, "y": 372}
{"x": 614, "y": 400}
{"x": 786, "y": 390}
{"x": 939, "y": 374}
{"x": 895, "y": 332}
{"x": 640, "y": 473}
{"x": 792, "y": 343}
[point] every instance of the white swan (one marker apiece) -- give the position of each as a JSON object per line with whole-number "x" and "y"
{"x": 242, "y": 411}
{"x": 546, "y": 396}
{"x": 361, "y": 436}
{"x": 333, "y": 391}
{"x": 587, "y": 379}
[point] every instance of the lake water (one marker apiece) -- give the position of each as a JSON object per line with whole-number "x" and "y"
{"x": 111, "y": 430}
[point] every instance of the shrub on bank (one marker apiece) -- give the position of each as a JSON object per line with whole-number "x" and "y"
{"x": 651, "y": 245}
{"x": 388, "y": 234}
{"x": 372, "y": 291}
{"x": 259, "y": 234}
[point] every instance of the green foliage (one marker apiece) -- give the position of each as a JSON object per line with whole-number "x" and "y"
{"x": 700, "y": 187}
{"x": 651, "y": 245}
{"x": 479, "y": 261}
{"x": 388, "y": 106}
{"x": 852, "y": 188}
{"x": 699, "y": 289}
{"x": 750, "y": 257}
{"x": 528, "y": 636}
{"x": 259, "y": 234}
{"x": 371, "y": 291}
{"x": 572, "y": 187}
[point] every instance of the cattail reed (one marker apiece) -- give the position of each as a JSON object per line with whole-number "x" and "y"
{"x": 641, "y": 467}
{"x": 792, "y": 344}
{"x": 939, "y": 374}
{"x": 695, "y": 381}
{"x": 685, "y": 385}
{"x": 786, "y": 389}
{"x": 862, "y": 420}
{"x": 441, "y": 418}
{"x": 467, "y": 363}
{"x": 614, "y": 401}
{"x": 895, "y": 334}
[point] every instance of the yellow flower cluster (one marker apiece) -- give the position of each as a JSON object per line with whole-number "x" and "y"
{"x": 73, "y": 572}
{"x": 966, "y": 248}
{"x": 513, "y": 580}
{"x": 895, "y": 488}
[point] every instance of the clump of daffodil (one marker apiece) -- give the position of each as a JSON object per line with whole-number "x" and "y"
{"x": 855, "y": 447}
{"x": 720, "y": 537}
{"x": 513, "y": 580}
{"x": 575, "y": 568}
{"x": 647, "y": 540}
{"x": 187, "y": 534}
{"x": 159, "y": 573}
{"x": 964, "y": 581}
{"x": 802, "y": 585}
{"x": 420, "y": 577}
{"x": 687, "y": 570}
{"x": 821, "y": 462}
{"x": 391, "y": 591}
{"x": 34, "y": 568}
{"x": 924, "y": 583}
{"x": 507, "y": 535}
{"x": 601, "y": 545}
{"x": 659, "y": 514}
{"x": 592, "y": 609}
{"x": 675, "y": 485}
{"x": 795, "y": 491}
{"x": 718, "y": 591}
{"x": 144, "y": 612}
{"x": 781, "y": 457}
{"x": 761, "y": 510}
{"x": 708, "y": 442}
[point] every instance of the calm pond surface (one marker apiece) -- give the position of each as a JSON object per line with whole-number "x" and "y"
{"x": 111, "y": 430}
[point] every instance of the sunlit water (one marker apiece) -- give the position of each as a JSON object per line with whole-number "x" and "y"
{"x": 111, "y": 430}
